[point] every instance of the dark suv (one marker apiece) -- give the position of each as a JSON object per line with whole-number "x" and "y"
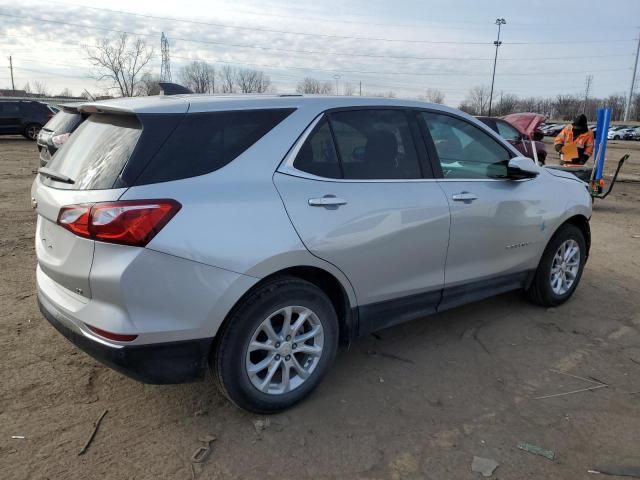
{"x": 23, "y": 117}
{"x": 56, "y": 132}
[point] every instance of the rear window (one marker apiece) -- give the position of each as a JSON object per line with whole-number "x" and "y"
{"x": 205, "y": 142}
{"x": 95, "y": 155}
{"x": 63, "y": 122}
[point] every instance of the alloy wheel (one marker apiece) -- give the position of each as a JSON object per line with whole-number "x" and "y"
{"x": 284, "y": 350}
{"x": 565, "y": 266}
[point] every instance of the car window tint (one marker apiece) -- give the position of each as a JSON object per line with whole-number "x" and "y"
{"x": 9, "y": 108}
{"x": 507, "y": 132}
{"x": 205, "y": 142}
{"x": 375, "y": 144}
{"x": 464, "y": 150}
{"x": 318, "y": 154}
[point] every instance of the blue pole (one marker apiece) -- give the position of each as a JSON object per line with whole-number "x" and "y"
{"x": 602, "y": 145}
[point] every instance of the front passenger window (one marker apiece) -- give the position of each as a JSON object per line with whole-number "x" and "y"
{"x": 465, "y": 151}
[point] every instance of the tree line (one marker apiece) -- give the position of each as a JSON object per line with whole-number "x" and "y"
{"x": 559, "y": 107}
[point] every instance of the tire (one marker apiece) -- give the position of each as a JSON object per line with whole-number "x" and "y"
{"x": 232, "y": 359}
{"x": 543, "y": 290}
{"x": 31, "y": 131}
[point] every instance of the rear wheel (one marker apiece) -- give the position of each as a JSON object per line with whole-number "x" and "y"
{"x": 31, "y": 131}
{"x": 276, "y": 346}
{"x": 560, "y": 268}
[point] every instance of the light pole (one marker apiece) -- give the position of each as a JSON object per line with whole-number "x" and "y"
{"x": 497, "y": 43}
{"x": 337, "y": 77}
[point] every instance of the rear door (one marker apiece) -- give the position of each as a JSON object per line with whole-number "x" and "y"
{"x": 93, "y": 158}
{"x": 368, "y": 204}
{"x": 497, "y": 224}
{"x": 10, "y": 117}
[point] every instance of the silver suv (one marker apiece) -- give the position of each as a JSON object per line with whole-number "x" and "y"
{"x": 254, "y": 234}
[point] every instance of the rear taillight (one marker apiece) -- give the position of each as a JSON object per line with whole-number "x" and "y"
{"x": 129, "y": 222}
{"x": 59, "y": 140}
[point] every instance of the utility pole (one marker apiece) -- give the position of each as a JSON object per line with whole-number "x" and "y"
{"x": 13, "y": 85}
{"x": 360, "y": 87}
{"x": 337, "y": 77}
{"x": 497, "y": 43}
{"x": 633, "y": 83}
{"x": 587, "y": 88}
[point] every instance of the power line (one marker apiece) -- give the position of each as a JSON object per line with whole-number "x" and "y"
{"x": 285, "y": 32}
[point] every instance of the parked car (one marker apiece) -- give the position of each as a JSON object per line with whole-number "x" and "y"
{"x": 255, "y": 234}
{"x": 619, "y": 132}
{"x": 554, "y": 129}
{"x": 57, "y": 131}
{"x": 23, "y": 117}
{"x": 516, "y": 137}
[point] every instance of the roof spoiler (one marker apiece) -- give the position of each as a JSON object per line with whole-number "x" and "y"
{"x": 168, "y": 88}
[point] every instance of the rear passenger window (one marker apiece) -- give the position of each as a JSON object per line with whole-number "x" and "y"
{"x": 205, "y": 142}
{"x": 318, "y": 154}
{"x": 464, "y": 150}
{"x": 375, "y": 144}
{"x": 9, "y": 107}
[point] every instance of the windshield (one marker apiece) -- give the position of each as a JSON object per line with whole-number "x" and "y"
{"x": 96, "y": 153}
{"x": 63, "y": 122}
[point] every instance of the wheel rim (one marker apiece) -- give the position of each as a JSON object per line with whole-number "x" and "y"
{"x": 564, "y": 267}
{"x": 32, "y": 132}
{"x": 284, "y": 350}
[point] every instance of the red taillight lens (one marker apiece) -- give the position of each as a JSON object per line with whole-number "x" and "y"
{"x": 118, "y": 337}
{"x": 129, "y": 222}
{"x": 76, "y": 219}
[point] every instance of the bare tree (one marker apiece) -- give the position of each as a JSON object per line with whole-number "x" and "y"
{"x": 40, "y": 88}
{"x": 66, "y": 93}
{"x": 252, "y": 81}
{"x": 349, "y": 89}
{"x": 314, "y": 86}
{"x": 148, "y": 85}
{"x": 434, "y": 95}
{"x": 121, "y": 62}
{"x": 199, "y": 76}
{"x": 27, "y": 88}
{"x": 508, "y": 103}
{"x": 227, "y": 77}
{"x": 476, "y": 101}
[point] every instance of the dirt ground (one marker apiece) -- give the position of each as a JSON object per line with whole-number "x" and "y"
{"x": 419, "y": 400}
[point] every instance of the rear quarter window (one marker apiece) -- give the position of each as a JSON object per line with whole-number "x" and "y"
{"x": 205, "y": 142}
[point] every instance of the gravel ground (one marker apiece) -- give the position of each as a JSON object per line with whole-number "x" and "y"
{"x": 419, "y": 400}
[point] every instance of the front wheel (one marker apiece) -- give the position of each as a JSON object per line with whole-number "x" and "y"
{"x": 276, "y": 346}
{"x": 560, "y": 268}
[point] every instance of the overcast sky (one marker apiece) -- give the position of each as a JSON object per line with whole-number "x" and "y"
{"x": 549, "y": 46}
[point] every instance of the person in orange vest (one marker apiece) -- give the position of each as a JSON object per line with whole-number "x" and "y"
{"x": 577, "y": 132}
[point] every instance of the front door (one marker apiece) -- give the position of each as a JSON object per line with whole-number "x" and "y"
{"x": 363, "y": 203}
{"x": 497, "y": 224}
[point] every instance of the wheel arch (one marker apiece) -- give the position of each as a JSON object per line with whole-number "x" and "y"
{"x": 336, "y": 291}
{"x": 582, "y": 223}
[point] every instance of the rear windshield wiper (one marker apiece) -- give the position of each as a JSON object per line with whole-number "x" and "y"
{"x": 53, "y": 175}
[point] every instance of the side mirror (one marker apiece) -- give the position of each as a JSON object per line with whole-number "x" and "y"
{"x": 538, "y": 136}
{"x": 520, "y": 168}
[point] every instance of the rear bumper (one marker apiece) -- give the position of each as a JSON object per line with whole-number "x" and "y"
{"x": 159, "y": 363}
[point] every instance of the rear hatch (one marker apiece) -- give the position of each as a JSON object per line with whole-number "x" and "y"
{"x": 87, "y": 170}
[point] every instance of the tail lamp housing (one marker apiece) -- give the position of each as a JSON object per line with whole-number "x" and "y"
{"x": 128, "y": 222}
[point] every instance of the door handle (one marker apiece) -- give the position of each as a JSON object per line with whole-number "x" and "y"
{"x": 465, "y": 197}
{"x": 327, "y": 201}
